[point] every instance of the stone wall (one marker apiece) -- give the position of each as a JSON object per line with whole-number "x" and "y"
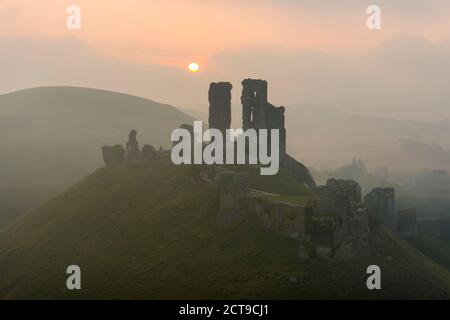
{"x": 381, "y": 201}
{"x": 342, "y": 199}
{"x": 258, "y": 113}
{"x": 219, "y": 96}
{"x": 113, "y": 154}
{"x": 132, "y": 153}
{"x": 336, "y": 187}
{"x": 233, "y": 189}
{"x": 254, "y": 100}
{"x": 352, "y": 229}
{"x": 284, "y": 218}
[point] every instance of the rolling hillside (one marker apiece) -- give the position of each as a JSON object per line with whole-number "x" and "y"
{"x": 149, "y": 231}
{"x": 50, "y": 137}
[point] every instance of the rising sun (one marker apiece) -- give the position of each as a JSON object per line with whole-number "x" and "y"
{"x": 193, "y": 67}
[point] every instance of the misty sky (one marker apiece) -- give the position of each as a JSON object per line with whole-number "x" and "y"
{"x": 310, "y": 51}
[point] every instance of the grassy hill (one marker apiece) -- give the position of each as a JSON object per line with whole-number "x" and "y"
{"x": 50, "y": 137}
{"x": 149, "y": 231}
{"x": 435, "y": 248}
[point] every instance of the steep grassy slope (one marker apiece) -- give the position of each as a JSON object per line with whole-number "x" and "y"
{"x": 50, "y": 137}
{"x": 149, "y": 231}
{"x": 435, "y": 248}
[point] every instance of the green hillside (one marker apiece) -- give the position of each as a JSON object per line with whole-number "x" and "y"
{"x": 435, "y": 248}
{"x": 149, "y": 231}
{"x": 50, "y": 137}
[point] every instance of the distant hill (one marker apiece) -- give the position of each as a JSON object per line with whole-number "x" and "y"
{"x": 149, "y": 231}
{"x": 50, "y": 137}
{"x": 323, "y": 136}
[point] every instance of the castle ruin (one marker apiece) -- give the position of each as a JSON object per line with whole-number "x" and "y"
{"x": 346, "y": 237}
{"x": 234, "y": 188}
{"x": 117, "y": 154}
{"x": 258, "y": 113}
{"x": 219, "y": 96}
{"x": 382, "y": 202}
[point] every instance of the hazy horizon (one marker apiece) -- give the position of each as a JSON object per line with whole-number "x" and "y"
{"x": 311, "y": 52}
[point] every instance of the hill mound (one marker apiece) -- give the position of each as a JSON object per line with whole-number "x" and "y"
{"x": 49, "y": 136}
{"x": 149, "y": 231}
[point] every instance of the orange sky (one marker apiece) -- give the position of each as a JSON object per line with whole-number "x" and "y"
{"x": 311, "y": 51}
{"x": 175, "y": 32}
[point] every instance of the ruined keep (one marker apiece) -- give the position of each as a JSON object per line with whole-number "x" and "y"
{"x": 253, "y": 99}
{"x": 132, "y": 146}
{"x": 233, "y": 188}
{"x": 258, "y": 113}
{"x": 219, "y": 96}
{"x": 381, "y": 201}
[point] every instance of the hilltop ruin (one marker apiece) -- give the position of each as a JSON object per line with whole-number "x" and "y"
{"x": 335, "y": 222}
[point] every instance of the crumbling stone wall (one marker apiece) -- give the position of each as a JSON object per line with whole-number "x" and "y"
{"x": 113, "y": 154}
{"x": 381, "y": 202}
{"x": 118, "y": 154}
{"x": 254, "y": 100}
{"x": 233, "y": 189}
{"x": 352, "y": 229}
{"x": 284, "y": 218}
{"x": 342, "y": 198}
{"x": 132, "y": 146}
{"x": 257, "y": 113}
{"x": 281, "y": 217}
{"x": 219, "y": 96}
{"x": 336, "y": 187}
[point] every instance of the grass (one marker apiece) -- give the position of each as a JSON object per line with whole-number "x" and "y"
{"x": 435, "y": 248}
{"x": 302, "y": 200}
{"x": 148, "y": 232}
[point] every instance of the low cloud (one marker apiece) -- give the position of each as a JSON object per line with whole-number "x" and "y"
{"x": 27, "y": 62}
{"x": 405, "y": 77}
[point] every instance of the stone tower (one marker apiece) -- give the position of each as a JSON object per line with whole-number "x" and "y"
{"x": 219, "y": 96}
{"x": 382, "y": 202}
{"x": 258, "y": 113}
{"x": 254, "y": 100}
